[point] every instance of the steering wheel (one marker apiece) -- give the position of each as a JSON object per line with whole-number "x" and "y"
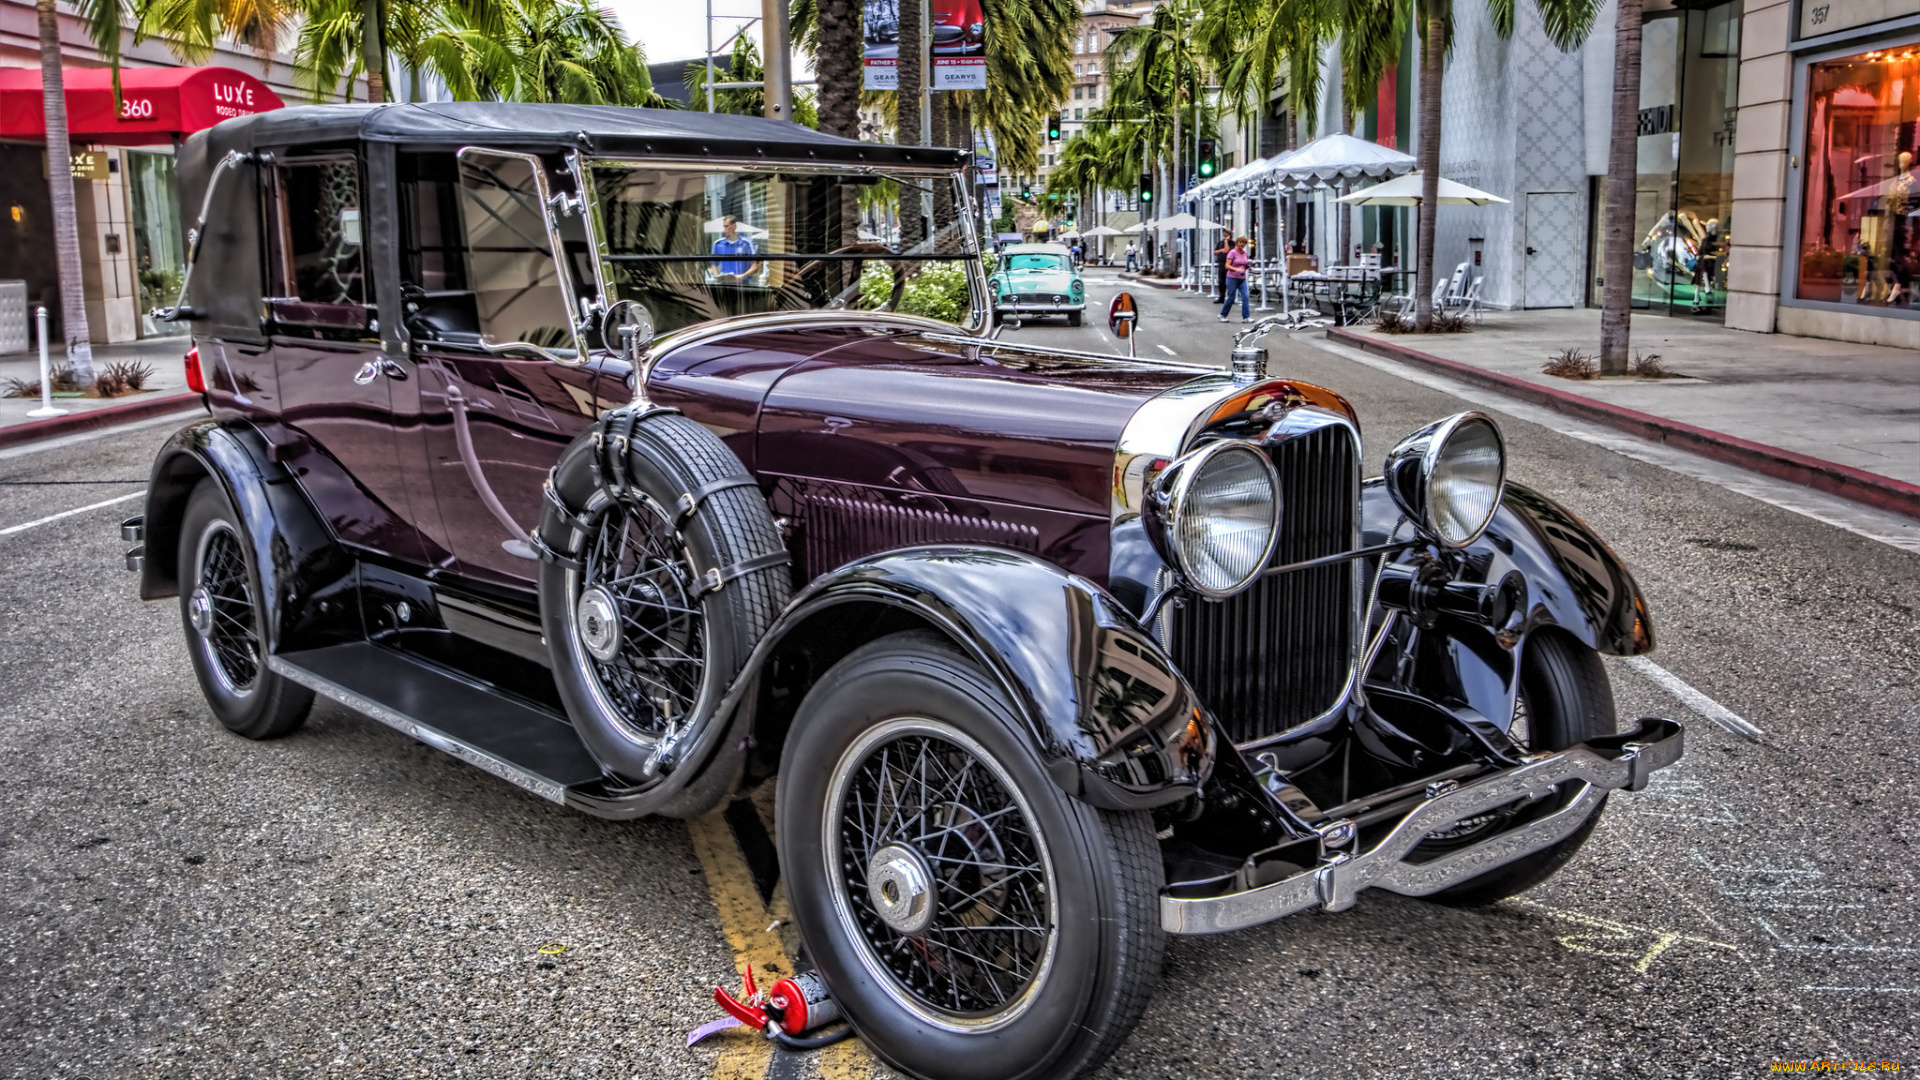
{"x": 852, "y": 292}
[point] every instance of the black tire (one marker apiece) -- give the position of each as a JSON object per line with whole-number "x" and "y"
{"x": 998, "y": 318}
{"x": 680, "y": 642}
{"x": 1074, "y": 318}
{"x": 219, "y": 579}
{"x": 1091, "y": 954}
{"x": 1565, "y": 699}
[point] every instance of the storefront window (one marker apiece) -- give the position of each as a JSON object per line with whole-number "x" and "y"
{"x": 1683, "y": 205}
{"x": 159, "y": 247}
{"x": 1860, "y": 234}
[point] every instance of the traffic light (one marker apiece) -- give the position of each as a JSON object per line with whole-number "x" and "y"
{"x": 1208, "y": 165}
{"x": 1053, "y": 128}
{"x": 1146, "y": 187}
{"x": 1026, "y": 194}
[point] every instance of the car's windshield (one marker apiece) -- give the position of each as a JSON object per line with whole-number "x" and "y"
{"x": 1035, "y": 260}
{"x": 698, "y": 243}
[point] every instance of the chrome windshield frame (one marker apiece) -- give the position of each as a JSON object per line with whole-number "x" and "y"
{"x": 964, "y": 213}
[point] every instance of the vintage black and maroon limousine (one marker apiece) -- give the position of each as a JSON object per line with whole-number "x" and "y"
{"x": 596, "y": 448}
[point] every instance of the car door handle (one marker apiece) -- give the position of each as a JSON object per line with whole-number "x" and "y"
{"x": 1532, "y": 251}
{"x": 373, "y": 369}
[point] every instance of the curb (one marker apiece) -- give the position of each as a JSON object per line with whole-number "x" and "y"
{"x": 1845, "y": 481}
{"x": 105, "y": 416}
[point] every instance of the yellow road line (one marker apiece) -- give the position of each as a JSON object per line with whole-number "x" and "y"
{"x": 746, "y": 923}
{"x": 743, "y": 1056}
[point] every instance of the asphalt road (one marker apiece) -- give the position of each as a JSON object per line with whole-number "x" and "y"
{"x": 179, "y": 902}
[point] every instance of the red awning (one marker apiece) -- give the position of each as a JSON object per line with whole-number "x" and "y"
{"x": 155, "y": 103}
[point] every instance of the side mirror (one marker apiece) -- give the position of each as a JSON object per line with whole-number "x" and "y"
{"x": 1123, "y": 315}
{"x": 627, "y": 327}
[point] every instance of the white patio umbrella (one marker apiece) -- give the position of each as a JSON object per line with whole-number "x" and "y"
{"x": 1132, "y": 230}
{"x": 1184, "y": 221}
{"x": 1102, "y": 230}
{"x": 719, "y": 225}
{"x": 1405, "y": 191}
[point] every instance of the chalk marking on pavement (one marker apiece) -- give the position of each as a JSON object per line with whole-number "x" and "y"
{"x": 1694, "y": 699}
{"x": 1610, "y": 932}
{"x": 1164, "y": 349}
{"x": 11, "y": 529}
{"x": 1877, "y": 525}
{"x": 97, "y": 433}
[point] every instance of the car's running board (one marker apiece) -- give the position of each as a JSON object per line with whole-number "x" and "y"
{"x": 516, "y": 742}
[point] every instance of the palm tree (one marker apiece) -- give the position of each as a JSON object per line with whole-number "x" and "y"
{"x": 1156, "y": 69}
{"x": 911, "y": 83}
{"x": 1029, "y": 70}
{"x": 1616, "y": 301}
{"x": 742, "y": 66}
{"x": 66, "y": 221}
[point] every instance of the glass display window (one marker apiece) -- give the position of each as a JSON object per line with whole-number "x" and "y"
{"x": 1860, "y": 208}
{"x": 1683, "y": 198}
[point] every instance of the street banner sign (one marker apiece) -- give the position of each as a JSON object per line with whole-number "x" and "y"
{"x": 959, "y": 50}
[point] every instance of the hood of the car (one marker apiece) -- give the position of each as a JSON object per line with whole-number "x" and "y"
{"x": 890, "y": 406}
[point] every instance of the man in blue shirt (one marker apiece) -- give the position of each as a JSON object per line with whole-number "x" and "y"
{"x": 732, "y": 243}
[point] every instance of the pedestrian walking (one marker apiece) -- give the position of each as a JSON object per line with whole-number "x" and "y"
{"x": 1133, "y": 255}
{"x": 1236, "y": 281}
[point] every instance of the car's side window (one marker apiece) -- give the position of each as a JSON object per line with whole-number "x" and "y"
{"x": 477, "y": 263}
{"x": 317, "y": 276}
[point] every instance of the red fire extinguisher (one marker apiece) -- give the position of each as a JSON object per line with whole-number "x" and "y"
{"x": 792, "y": 1007}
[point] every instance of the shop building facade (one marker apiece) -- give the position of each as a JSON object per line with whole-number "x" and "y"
{"x": 1827, "y": 173}
{"x": 132, "y": 227}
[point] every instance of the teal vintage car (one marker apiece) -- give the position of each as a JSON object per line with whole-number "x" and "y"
{"x": 1037, "y": 279}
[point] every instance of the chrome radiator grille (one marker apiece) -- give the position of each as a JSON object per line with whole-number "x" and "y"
{"x": 1278, "y": 654}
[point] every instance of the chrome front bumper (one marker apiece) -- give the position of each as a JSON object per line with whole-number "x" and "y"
{"x": 1620, "y": 761}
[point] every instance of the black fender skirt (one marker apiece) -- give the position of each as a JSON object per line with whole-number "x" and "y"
{"x": 301, "y": 565}
{"x": 1110, "y": 715}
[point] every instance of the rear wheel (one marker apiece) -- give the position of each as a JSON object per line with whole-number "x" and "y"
{"x": 220, "y": 611}
{"x": 1564, "y": 699}
{"x": 972, "y": 921}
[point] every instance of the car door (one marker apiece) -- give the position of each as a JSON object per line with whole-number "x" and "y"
{"x": 335, "y": 374}
{"x": 490, "y": 313}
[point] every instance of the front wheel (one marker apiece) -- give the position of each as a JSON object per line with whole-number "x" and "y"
{"x": 1564, "y": 699}
{"x": 972, "y": 921}
{"x": 1074, "y": 318}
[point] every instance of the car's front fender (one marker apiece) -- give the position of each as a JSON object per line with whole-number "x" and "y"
{"x": 1110, "y": 715}
{"x": 1574, "y": 583}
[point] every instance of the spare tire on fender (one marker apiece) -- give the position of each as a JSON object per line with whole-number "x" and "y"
{"x": 661, "y": 569}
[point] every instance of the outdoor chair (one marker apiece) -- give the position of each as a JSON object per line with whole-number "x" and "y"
{"x": 1470, "y": 301}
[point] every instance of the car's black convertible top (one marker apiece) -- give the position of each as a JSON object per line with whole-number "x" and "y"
{"x": 596, "y": 129}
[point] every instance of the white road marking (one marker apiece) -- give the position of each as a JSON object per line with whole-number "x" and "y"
{"x": 1166, "y": 350}
{"x": 1861, "y": 989}
{"x": 1693, "y": 699}
{"x": 11, "y": 529}
{"x": 1878, "y": 525}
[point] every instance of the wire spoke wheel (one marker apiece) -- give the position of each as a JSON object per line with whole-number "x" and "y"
{"x": 224, "y": 611}
{"x": 939, "y": 873}
{"x": 651, "y": 658}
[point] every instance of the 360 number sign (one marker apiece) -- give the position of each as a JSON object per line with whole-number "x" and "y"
{"x": 136, "y": 109}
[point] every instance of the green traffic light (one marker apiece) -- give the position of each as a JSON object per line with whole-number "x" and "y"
{"x": 1206, "y": 168}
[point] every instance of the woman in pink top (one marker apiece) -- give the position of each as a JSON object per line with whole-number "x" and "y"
{"x": 1237, "y": 281}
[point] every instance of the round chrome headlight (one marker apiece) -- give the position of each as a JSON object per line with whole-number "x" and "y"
{"x": 1221, "y": 516}
{"x": 1449, "y": 476}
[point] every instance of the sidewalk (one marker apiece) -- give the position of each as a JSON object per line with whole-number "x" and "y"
{"x": 166, "y": 390}
{"x": 1841, "y": 417}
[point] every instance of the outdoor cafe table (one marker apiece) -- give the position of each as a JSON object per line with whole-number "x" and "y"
{"x": 1351, "y": 291}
